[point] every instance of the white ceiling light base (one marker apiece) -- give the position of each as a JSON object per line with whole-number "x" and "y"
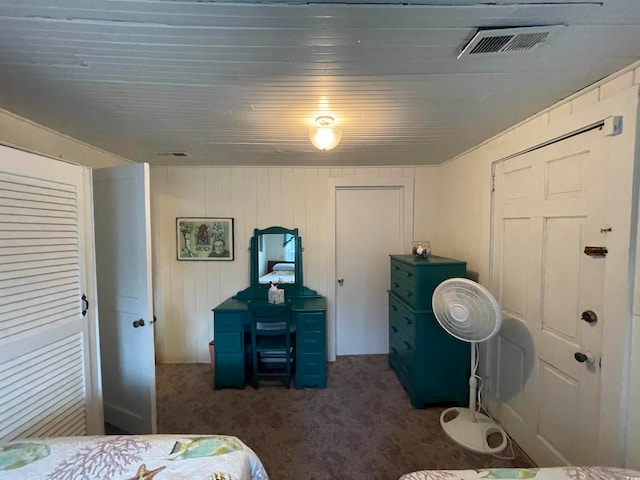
{"x": 324, "y": 136}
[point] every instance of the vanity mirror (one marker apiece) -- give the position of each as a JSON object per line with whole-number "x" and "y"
{"x": 276, "y": 260}
{"x": 276, "y": 257}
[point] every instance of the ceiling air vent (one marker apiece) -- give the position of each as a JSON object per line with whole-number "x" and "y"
{"x": 499, "y": 41}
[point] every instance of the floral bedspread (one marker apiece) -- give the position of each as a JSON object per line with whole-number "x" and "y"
{"x": 549, "y": 473}
{"x": 131, "y": 457}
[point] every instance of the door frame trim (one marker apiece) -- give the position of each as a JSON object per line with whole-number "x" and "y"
{"x": 406, "y": 187}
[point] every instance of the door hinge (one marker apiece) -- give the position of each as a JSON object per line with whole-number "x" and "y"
{"x": 493, "y": 182}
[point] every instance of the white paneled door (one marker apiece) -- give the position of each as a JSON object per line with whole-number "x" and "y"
{"x": 372, "y": 222}
{"x": 123, "y": 261}
{"x": 46, "y": 329}
{"x": 549, "y": 206}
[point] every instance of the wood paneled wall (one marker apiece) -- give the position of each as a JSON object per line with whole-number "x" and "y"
{"x": 256, "y": 197}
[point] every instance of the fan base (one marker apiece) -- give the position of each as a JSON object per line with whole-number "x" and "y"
{"x": 471, "y": 434}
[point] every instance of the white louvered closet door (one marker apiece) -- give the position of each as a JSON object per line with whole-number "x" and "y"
{"x": 44, "y": 337}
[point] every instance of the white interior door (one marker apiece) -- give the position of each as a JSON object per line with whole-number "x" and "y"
{"x": 549, "y": 206}
{"x": 46, "y": 352}
{"x": 369, "y": 227}
{"x": 123, "y": 261}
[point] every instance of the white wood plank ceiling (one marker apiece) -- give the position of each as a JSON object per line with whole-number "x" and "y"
{"x": 241, "y": 82}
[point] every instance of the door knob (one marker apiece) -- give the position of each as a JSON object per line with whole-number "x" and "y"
{"x": 584, "y": 357}
{"x": 590, "y": 317}
{"x": 340, "y": 281}
{"x": 138, "y": 323}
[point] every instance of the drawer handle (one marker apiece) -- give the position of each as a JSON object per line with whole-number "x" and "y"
{"x": 409, "y": 293}
{"x": 394, "y": 308}
{"x": 393, "y": 349}
{"x": 409, "y": 347}
{"x": 408, "y": 320}
{"x": 396, "y": 268}
{"x": 394, "y": 328}
{"x": 408, "y": 274}
{"x": 396, "y": 285}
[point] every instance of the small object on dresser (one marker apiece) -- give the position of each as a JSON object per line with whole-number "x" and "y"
{"x": 275, "y": 294}
{"x": 421, "y": 248}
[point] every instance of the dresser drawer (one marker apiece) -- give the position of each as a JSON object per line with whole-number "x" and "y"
{"x": 228, "y": 322}
{"x": 402, "y": 355}
{"x": 310, "y": 321}
{"x": 405, "y": 291}
{"x": 400, "y": 318}
{"x": 402, "y": 271}
{"x": 310, "y": 342}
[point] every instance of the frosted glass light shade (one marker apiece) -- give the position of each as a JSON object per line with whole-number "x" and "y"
{"x": 324, "y": 137}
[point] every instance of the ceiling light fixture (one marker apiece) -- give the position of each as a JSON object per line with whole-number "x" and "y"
{"x": 324, "y": 136}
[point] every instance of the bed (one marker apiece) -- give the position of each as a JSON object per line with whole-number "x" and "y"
{"x": 549, "y": 473}
{"x": 279, "y": 272}
{"x": 131, "y": 457}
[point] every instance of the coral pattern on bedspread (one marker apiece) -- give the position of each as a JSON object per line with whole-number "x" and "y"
{"x": 131, "y": 457}
{"x": 551, "y": 473}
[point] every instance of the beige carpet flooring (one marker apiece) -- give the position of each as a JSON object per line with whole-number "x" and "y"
{"x": 362, "y": 426}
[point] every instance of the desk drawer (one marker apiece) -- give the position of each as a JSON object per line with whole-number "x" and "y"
{"x": 228, "y": 322}
{"x": 310, "y": 363}
{"x": 309, "y": 342}
{"x": 310, "y": 321}
{"x": 227, "y": 342}
{"x": 229, "y": 364}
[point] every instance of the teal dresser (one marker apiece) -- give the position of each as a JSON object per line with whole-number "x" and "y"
{"x": 231, "y": 325}
{"x": 431, "y": 365}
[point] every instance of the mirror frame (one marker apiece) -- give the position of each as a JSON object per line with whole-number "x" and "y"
{"x": 258, "y": 290}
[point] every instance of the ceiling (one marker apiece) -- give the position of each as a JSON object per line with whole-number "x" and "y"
{"x": 241, "y": 82}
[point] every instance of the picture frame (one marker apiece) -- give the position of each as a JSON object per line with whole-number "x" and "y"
{"x": 205, "y": 239}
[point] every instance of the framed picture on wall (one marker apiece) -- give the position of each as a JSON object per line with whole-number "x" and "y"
{"x": 204, "y": 238}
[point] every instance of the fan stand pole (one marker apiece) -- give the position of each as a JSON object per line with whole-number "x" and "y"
{"x": 467, "y": 426}
{"x": 473, "y": 385}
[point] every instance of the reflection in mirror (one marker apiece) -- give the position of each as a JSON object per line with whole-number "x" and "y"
{"x": 276, "y": 258}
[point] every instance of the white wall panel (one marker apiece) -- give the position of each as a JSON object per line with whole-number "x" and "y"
{"x": 185, "y": 292}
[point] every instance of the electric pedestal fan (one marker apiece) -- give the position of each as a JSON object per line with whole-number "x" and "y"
{"x": 468, "y": 311}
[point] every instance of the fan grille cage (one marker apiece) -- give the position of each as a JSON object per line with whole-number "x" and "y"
{"x": 466, "y": 310}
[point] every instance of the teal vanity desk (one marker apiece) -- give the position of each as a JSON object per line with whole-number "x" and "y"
{"x": 276, "y": 256}
{"x": 232, "y": 350}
